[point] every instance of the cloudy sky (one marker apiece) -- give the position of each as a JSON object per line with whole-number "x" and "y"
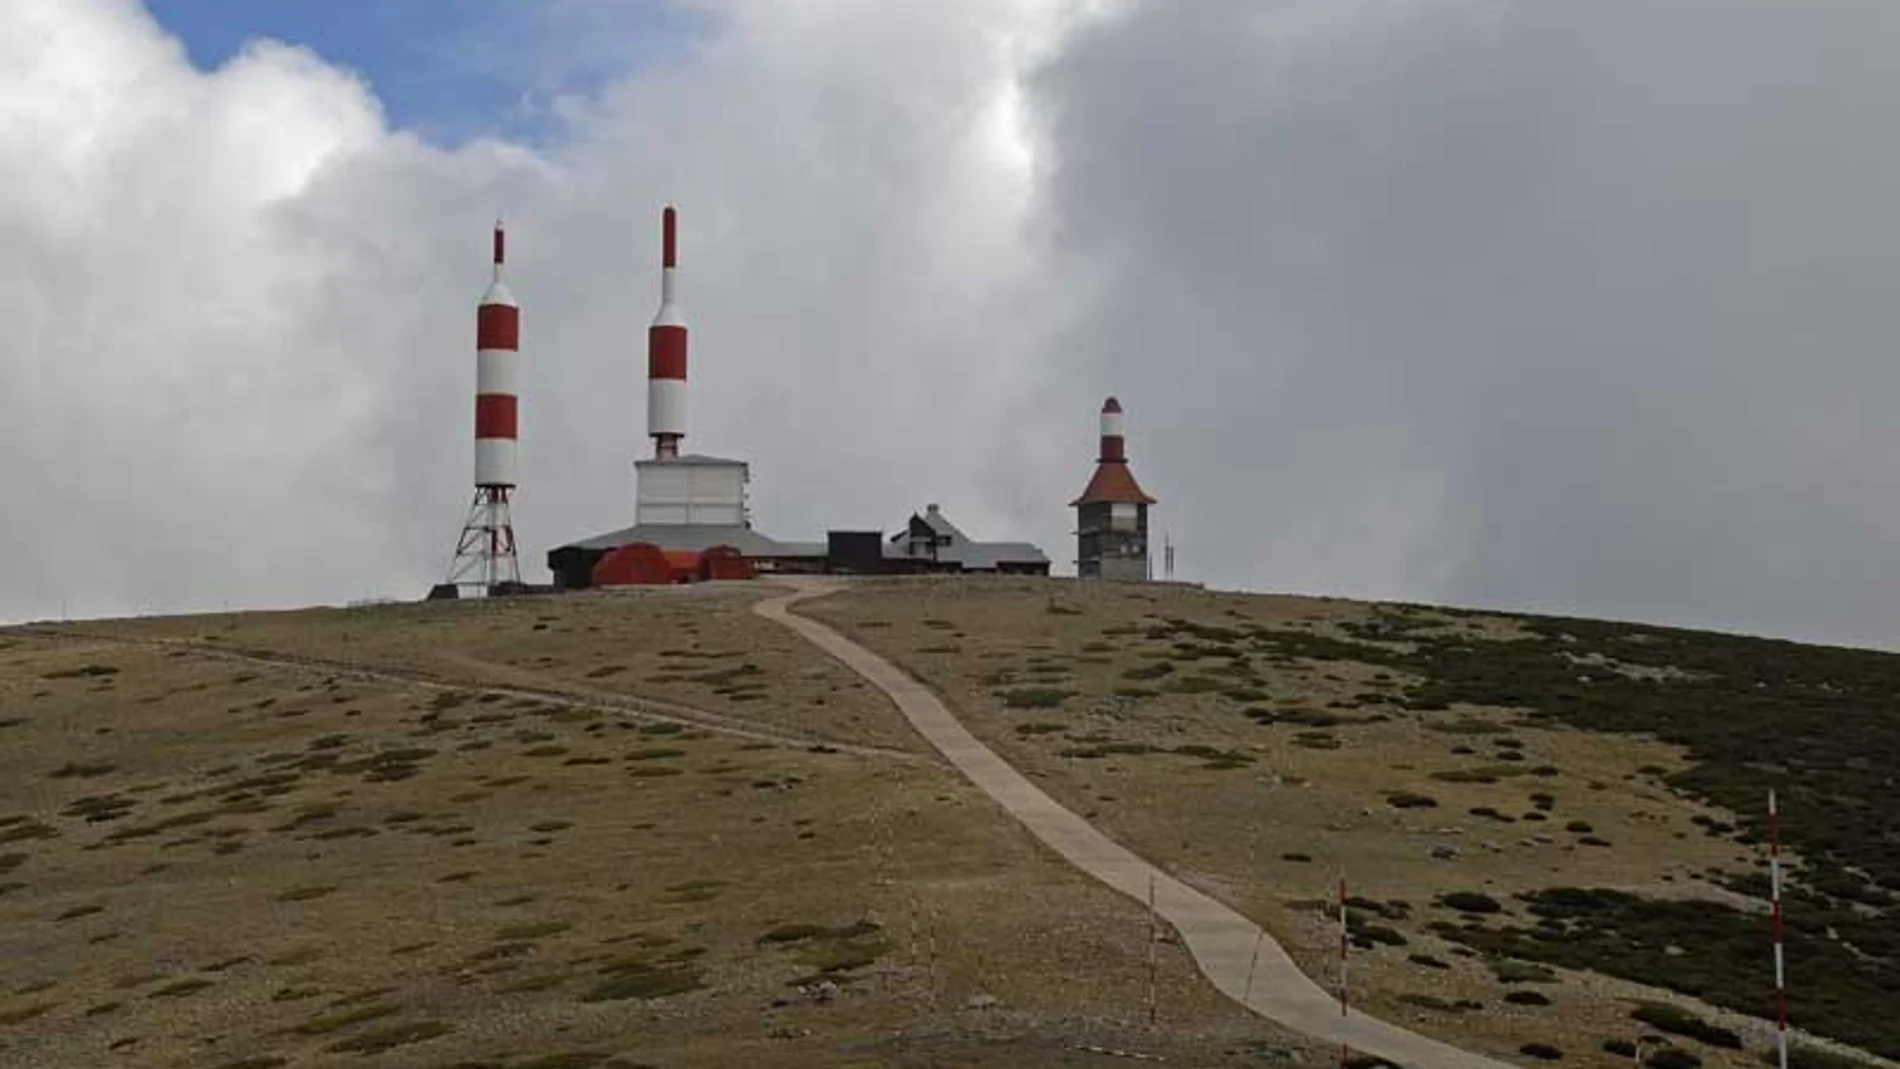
{"x": 1579, "y": 307}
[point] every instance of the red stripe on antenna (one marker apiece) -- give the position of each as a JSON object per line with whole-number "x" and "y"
{"x": 497, "y": 326}
{"x": 495, "y": 415}
{"x": 669, "y": 248}
{"x": 666, "y": 353}
{"x": 500, "y": 244}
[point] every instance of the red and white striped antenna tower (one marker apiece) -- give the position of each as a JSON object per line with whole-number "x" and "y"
{"x": 1345, "y": 941}
{"x": 1774, "y": 888}
{"x": 485, "y": 554}
{"x": 666, "y": 350}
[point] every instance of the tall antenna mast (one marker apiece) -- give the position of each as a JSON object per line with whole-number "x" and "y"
{"x": 485, "y": 555}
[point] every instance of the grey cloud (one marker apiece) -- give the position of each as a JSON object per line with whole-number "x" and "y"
{"x": 1580, "y": 307}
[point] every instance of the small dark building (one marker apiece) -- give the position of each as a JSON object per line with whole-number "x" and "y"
{"x": 854, "y": 552}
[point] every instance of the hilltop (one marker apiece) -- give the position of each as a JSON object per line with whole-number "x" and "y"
{"x": 652, "y": 828}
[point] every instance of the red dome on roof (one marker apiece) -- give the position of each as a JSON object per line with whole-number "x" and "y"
{"x": 1111, "y": 405}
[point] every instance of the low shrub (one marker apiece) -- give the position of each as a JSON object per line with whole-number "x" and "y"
{"x": 1542, "y": 1051}
{"x": 1151, "y": 671}
{"x": 1034, "y": 697}
{"x": 1367, "y": 936}
{"x": 1471, "y": 902}
{"x": 1306, "y": 718}
{"x": 1040, "y": 727}
{"x": 1442, "y": 1005}
{"x": 1108, "y": 749}
{"x": 1678, "y": 1021}
{"x": 1409, "y": 800}
{"x": 1518, "y": 972}
{"x": 397, "y": 1036}
{"x": 1527, "y": 998}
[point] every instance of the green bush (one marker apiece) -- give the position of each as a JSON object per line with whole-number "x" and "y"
{"x": 1408, "y": 800}
{"x": 1518, "y": 972}
{"x": 1442, "y": 1005}
{"x": 1152, "y": 671}
{"x": 1108, "y": 749}
{"x": 1040, "y": 727}
{"x": 1542, "y": 1051}
{"x": 1471, "y": 902}
{"x": 1366, "y": 936}
{"x": 1034, "y": 697}
{"x": 1678, "y": 1021}
{"x": 1195, "y": 685}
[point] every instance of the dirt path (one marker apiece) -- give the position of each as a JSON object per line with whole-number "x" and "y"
{"x": 1225, "y": 945}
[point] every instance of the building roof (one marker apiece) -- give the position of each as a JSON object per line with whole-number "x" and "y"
{"x": 690, "y": 460}
{"x": 697, "y": 538}
{"x": 1114, "y": 483}
{"x": 960, "y": 548}
{"x": 985, "y": 556}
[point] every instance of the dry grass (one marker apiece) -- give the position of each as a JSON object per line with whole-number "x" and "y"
{"x": 1331, "y": 769}
{"x": 302, "y": 864}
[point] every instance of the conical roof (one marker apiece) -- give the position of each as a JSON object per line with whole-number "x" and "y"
{"x": 1113, "y": 483}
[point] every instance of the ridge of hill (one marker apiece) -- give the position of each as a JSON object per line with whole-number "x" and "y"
{"x": 647, "y": 828}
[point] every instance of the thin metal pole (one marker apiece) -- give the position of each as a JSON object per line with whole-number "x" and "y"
{"x": 1246, "y": 997}
{"x": 1154, "y": 936}
{"x": 1345, "y": 940}
{"x": 1774, "y": 878}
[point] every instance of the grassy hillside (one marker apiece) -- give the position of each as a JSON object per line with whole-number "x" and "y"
{"x": 1549, "y": 822}
{"x": 653, "y": 829}
{"x": 462, "y": 834}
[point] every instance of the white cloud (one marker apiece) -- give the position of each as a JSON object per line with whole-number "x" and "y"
{"x": 242, "y": 306}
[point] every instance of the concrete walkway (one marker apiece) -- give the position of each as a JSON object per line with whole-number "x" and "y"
{"x": 1221, "y": 940}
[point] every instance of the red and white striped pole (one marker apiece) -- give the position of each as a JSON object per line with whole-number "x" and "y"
{"x": 1154, "y": 940}
{"x": 485, "y": 554}
{"x": 1345, "y": 941}
{"x": 666, "y": 350}
{"x": 1774, "y": 880}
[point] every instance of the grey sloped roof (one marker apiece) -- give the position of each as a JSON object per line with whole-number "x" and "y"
{"x": 941, "y": 524}
{"x": 980, "y": 556}
{"x": 699, "y": 537}
{"x": 986, "y": 555}
{"x": 971, "y": 554}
